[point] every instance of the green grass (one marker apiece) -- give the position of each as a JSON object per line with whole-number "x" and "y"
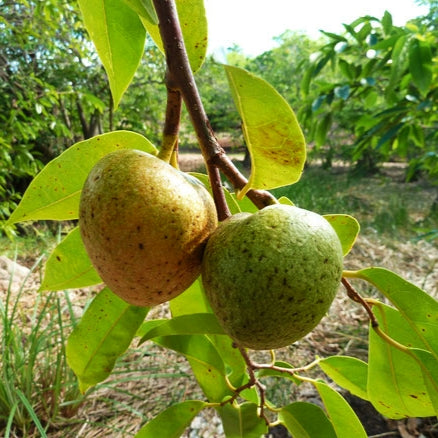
{"x": 31, "y": 240}
{"x": 36, "y": 385}
{"x": 39, "y": 393}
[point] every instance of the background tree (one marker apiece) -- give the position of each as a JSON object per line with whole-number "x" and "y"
{"x": 383, "y": 95}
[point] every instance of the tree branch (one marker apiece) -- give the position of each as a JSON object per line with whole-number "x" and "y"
{"x": 180, "y": 74}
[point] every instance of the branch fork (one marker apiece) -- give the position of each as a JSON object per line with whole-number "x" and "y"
{"x": 180, "y": 79}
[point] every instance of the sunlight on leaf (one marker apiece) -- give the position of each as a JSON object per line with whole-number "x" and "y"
{"x": 119, "y": 37}
{"x": 421, "y": 64}
{"x": 306, "y": 420}
{"x": 272, "y": 133}
{"x": 347, "y": 228}
{"x": 193, "y": 23}
{"x": 55, "y": 192}
{"x": 103, "y": 334}
{"x": 68, "y": 266}
{"x": 285, "y": 200}
{"x": 172, "y": 422}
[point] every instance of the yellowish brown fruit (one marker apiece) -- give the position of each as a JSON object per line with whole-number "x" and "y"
{"x": 145, "y": 225}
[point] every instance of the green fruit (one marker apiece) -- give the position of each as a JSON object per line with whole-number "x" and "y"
{"x": 271, "y": 276}
{"x": 144, "y": 225}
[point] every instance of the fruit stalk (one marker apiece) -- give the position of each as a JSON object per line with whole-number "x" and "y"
{"x": 169, "y": 144}
{"x": 180, "y": 76}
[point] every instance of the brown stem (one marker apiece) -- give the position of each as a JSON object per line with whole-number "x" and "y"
{"x": 255, "y": 382}
{"x": 181, "y": 75}
{"x": 169, "y": 145}
{"x": 354, "y": 295}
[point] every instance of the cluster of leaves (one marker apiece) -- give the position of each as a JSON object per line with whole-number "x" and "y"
{"x": 54, "y": 92}
{"x": 400, "y": 378}
{"x": 41, "y": 90}
{"x": 382, "y": 91}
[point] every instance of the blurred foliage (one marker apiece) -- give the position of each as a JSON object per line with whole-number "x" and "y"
{"x": 54, "y": 92}
{"x": 380, "y": 99}
{"x": 49, "y": 88}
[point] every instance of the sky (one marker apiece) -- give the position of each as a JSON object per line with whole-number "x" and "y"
{"x": 252, "y": 24}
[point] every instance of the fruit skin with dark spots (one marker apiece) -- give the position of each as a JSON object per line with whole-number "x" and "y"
{"x": 144, "y": 225}
{"x": 271, "y": 276}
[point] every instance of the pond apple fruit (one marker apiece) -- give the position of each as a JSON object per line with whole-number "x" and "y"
{"x": 271, "y": 276}
{"x": 144, "y": 225}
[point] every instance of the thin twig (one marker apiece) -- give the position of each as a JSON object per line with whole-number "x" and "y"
{"x": 354, "y": 295}
{"x": 291, "y": 371}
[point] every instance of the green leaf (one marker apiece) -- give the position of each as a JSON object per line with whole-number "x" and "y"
{"x": 348, "y": 372}
{"x": 387, "y": 22}
{"x": 396, "y": 385}
{"x": 231, "y": 201}
{"x": 206, "y": 362}
{"x": 347, "y": 228}
{"x": 119, "y": 37}
{"x": 104, "y": 333}
{"x": 429, "y": 368}
{"x": 197, "y": 347}
{"x": 322, "y": 129}
{"x": 193, "y": 21}
{"x": 420, "y": 64}
{"x": 342, "y": 416}
{"x": 54, "y": 193}
{"x": 306, "y": 420}
{"x": 191, "y": 301}
{"x": 423, "y": 316}
{"x": 144, "y": 8}
{"x": 272, "y": 133}
{"x": 172, "y": 422}
{"x": 68, "y": 266}
{"x": 211, "y": 380}
{"x": 245, "y": 204}
{"x": 285, "y": 201}
{"x": 242, "y": 421}
{"x": 195, "y": 323}
{"x": 235, "y": 365}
